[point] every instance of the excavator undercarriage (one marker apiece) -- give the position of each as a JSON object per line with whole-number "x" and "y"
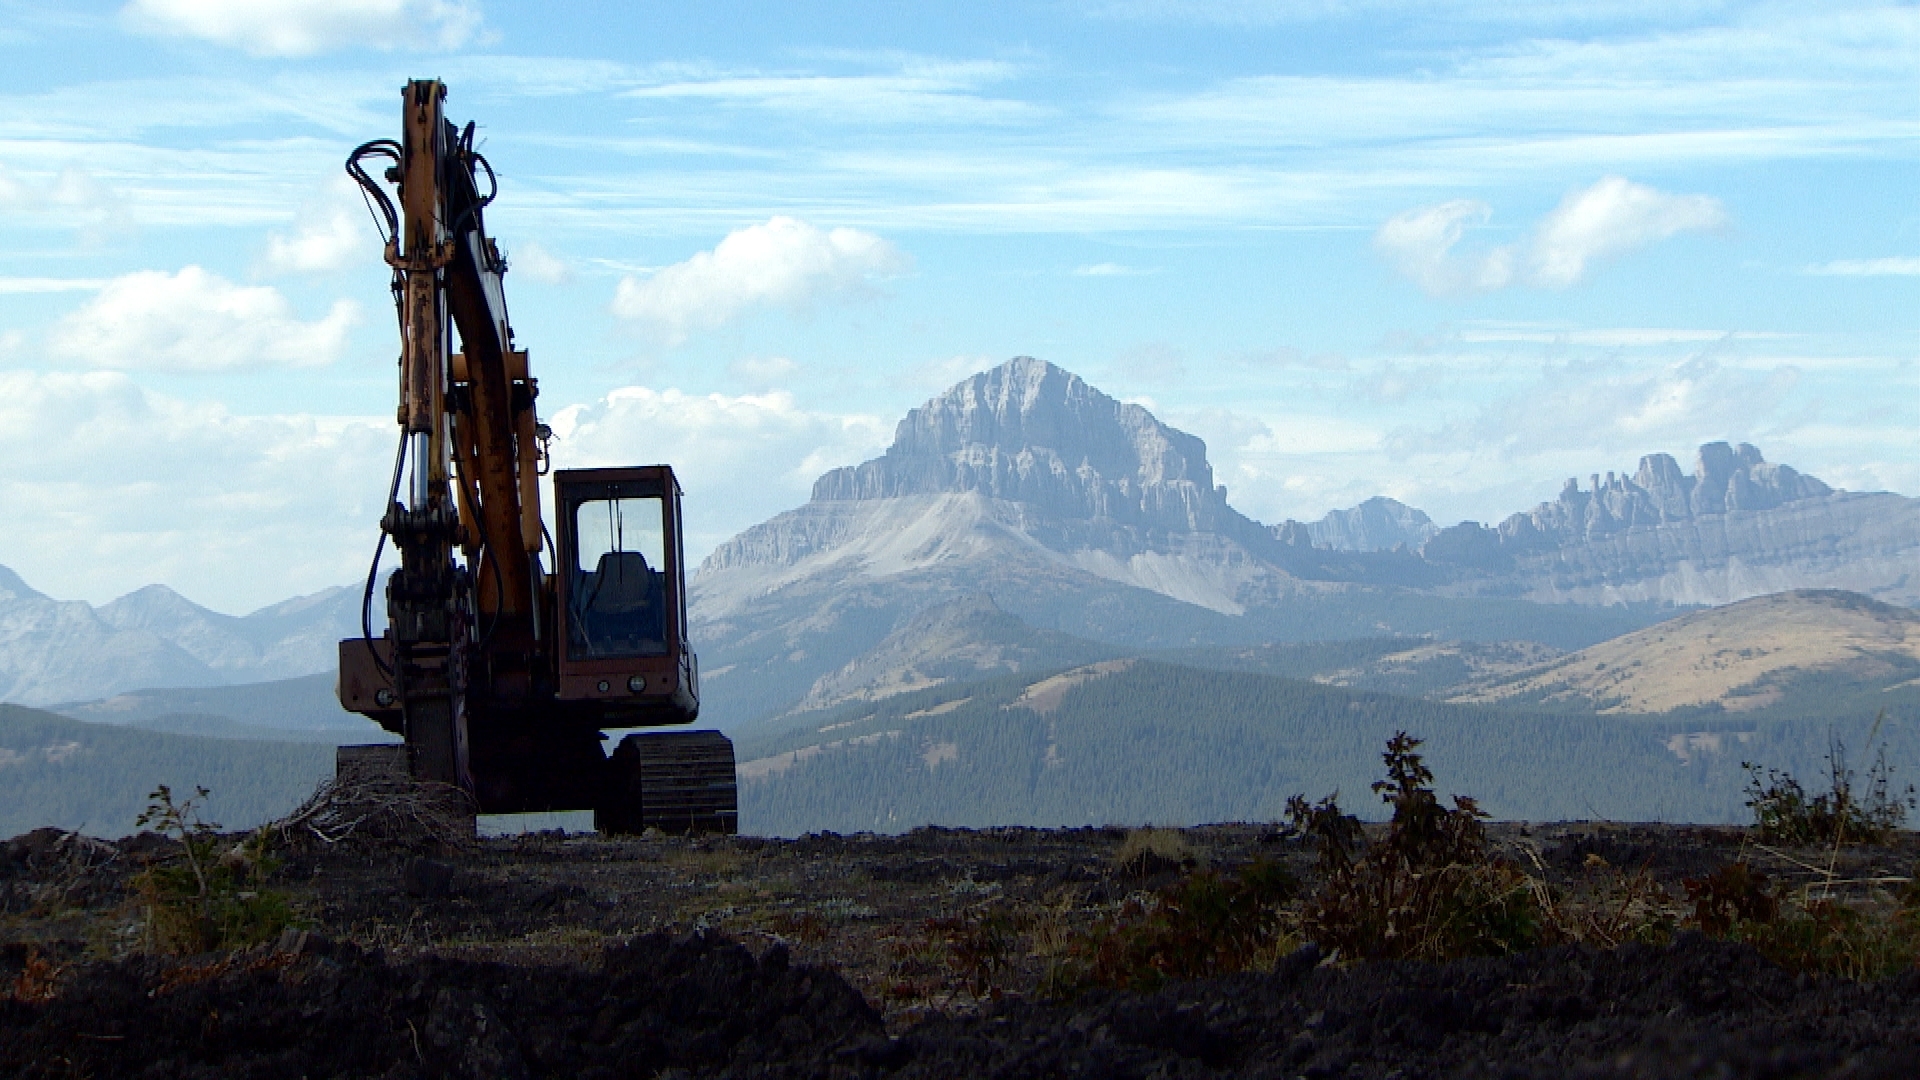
{"x": 512, "y": 650}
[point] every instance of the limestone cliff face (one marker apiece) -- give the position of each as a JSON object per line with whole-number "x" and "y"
{"x": 1736, "y": 527}
{"x": 1725, "y": 480}
{"x": 1029, "y": 432}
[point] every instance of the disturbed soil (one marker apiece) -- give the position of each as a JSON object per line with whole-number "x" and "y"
{"x": 562, "y": 956}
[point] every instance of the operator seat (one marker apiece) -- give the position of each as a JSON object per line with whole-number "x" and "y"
{"x": 622, "y": 605}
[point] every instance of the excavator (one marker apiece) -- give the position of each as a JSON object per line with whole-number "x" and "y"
{"x": 510, "y": 650}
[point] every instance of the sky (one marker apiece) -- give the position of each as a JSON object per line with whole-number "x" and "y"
{"x": 1452, "y": 251}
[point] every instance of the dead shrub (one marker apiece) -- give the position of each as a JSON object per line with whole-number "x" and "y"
{"x": 1431, "y": 889}
{"x": 377, "y": 804}
{"x": 37, "y": 982}
{"x": 978, "y": 947}
{"x": 1206, "y": 923}
{"x": 1617, "y": 908}
{"x": 1801, "y": 933}
{"x": 1784, "y": 813}
{"x": 1733, "y": 894}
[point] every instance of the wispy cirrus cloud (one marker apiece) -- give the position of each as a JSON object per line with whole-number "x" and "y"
{"x": 909, "y": 89}
{"x": 305, "y": 27}
{"x": 1894, "y": 266}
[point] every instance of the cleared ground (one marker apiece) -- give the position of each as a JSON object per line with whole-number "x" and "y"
{"x": 554, "y": 955}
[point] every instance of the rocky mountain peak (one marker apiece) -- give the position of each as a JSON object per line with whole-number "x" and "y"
{"x": 1030, "y": 432}
{"x": 1726, "y": 479}
{"x": 1378, "y": 524}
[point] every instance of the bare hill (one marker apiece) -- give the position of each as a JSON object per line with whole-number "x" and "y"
{"x": 1740, "y": 657}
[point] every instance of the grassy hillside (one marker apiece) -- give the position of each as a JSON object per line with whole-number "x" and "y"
{"x": 1786, "y": 650}
{"x": 1152, "y": 742}
{"x": 95, "y": 777}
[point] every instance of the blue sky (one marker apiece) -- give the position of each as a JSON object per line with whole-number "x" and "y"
{"x": 1452, "y": 252}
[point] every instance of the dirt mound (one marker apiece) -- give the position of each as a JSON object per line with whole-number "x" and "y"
{"x": 696, "y": 1003}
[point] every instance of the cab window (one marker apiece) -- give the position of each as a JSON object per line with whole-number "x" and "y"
{"x": 617, "y": 593}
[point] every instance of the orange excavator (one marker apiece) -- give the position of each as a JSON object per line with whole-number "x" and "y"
{"x": 511, "y": 651}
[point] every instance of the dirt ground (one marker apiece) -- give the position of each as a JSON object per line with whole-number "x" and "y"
{"x": 554, "y": 955}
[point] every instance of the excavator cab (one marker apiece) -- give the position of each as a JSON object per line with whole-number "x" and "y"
{"x": 621, "y": 600}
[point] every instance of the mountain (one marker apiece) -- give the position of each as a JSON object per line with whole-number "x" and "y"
{"x": 1378, "y": 524}
{"x": 1077, "y": 515}
{"x": 1814, "y": 646}
{"x": 1736, "y": 527}
{"x": 50, "y": 650}
{"x": 54, "y": 650}
{"x": 95, "y": 777}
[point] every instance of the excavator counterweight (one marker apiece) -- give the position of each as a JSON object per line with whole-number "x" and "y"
{"x": 503, "y": 671}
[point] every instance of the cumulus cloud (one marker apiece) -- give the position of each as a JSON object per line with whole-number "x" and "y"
{"x": 305, "y": 27}
{"x": 138, "y": 487}
{"x": 784, "y": 262}
{"x": 1612, "y": 218}
{"x": 197, "y": 321}
{"x": 332, "y": 233}
{"x": 1420, "y": 244}
{"x": 741, "y": 459}
{"x": 321, "y": 246}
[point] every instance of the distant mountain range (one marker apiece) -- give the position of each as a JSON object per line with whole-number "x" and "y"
{"x": 1078, "y": 515}
{"x": 53, "y": 650}
{"x": 1023, "y": 520}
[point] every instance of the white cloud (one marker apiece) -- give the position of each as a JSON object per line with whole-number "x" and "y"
{"x": 333, "y": 233}
{"x": 539, "y": 264}
{"x": 784, "y": 262}
{"x": 304, "y": 27}
{"x": 741, "y": 459}
{"x": 920, "y": 91}
{"x": 1107, "y": 269}
{"x": 1420, "y": 244}
{"x": 318, "y": 247}
{"x": 128, "y": 487}
{"x": 197, "y": 321}
{"x": 1897, "y": 266}
{"x": 1612, "y": 218}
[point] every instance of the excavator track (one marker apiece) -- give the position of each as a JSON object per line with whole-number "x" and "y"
{"x": 676, "y": 781}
